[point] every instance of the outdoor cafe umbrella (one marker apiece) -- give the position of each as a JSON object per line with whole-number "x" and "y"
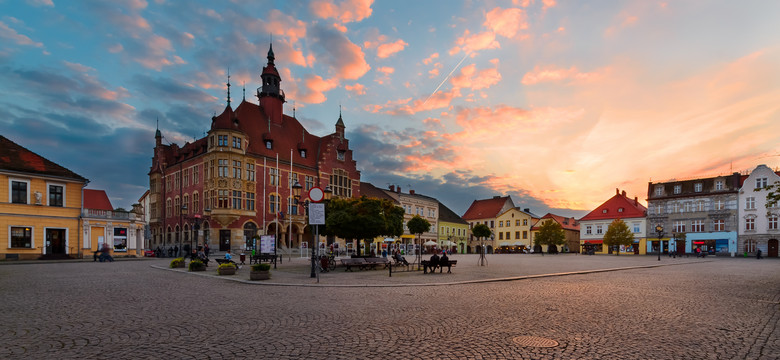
{"x": 429, "y": 243}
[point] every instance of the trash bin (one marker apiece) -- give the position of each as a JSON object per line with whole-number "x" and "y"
{"x": 242, "y": 257}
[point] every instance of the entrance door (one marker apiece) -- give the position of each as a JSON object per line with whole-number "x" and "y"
{"x": 55, "y": 241}
{"x": 772, "y": 250}
{"x": 224, "y": 240}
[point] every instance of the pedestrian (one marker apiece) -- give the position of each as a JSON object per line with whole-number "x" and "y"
{"x": 206, "y": 249}
{"x": 176, "y": 250}
{"x": 105, "y": 253}
{"x": 758, "y": 254}
{"x": 186, "y": 251}
{"x": 384, "y": 253}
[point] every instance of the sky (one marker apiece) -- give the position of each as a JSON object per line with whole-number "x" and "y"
{"x": 556, "y": 103}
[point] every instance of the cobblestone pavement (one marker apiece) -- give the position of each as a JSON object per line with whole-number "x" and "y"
{"x": 719, "y": 308}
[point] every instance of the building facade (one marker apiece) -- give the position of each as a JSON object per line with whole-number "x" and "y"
{"x": 513, "y": 231}
{"x": 40, "y": 205}
{"x": 486, "y": 212}
{"x": 571, "y": 231}
{"x": 705, "y": 210}
{"x": 122, "y": 231}
{"x": 758, "y": 222}
{"x": 453, "y": 231}
{"x": 417, "y": 204}
{"x": 595, "y": 224}
{"x": 236, "y": 183}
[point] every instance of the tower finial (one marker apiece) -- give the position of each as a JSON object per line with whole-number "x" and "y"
{"x": 339, "y": 110}
{"x": 293, "y": 109}
{"x": 228, "y": 86}
{"x": 244, "y": 90}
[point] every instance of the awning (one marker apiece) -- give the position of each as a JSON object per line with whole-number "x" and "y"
{"x": 517, "y": 243}
{"x": 586, "y": 242}
{"x": 408, "y": 237}
{"x": 429, "y": 243}
{"x": 389, "y": 240}
{"x": 448, "y": 243}
{"x": 504, "y": 244}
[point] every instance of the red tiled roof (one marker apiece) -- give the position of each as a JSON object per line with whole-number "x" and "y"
{"x": 483, "y": 209}
{"x": 631, "y": 208}
{"x": 15, "y": 157}
{"x": 97, "y": 200}
{"x": 371, "y": 191}
{"x": 566, "y": 223}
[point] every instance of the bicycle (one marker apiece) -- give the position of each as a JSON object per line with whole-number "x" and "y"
{"x": 327, "y": 263}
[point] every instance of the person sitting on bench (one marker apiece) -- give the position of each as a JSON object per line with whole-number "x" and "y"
{"x": 444, "y": 260}
{"x": 434, "y": 261}
{"x": 400, "y": 258}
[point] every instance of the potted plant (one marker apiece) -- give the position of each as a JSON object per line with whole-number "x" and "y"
{"x": 177, "y": 263}
{"x": 226, "y": 269}
{"x": 197, "y": 265}
{"x": 260, "y": 272}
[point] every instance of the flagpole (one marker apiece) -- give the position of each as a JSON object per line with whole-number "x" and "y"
{"x": 289, "y": 210}
{"x": 279, "y": 201}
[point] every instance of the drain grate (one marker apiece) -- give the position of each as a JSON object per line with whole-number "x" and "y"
{"x": 534, "y": 341}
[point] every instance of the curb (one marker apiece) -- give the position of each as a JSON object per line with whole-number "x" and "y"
{"x": 465, "y": 282}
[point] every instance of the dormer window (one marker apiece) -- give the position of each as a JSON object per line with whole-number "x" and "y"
{"x": 677, "y": 189}
{"x": 620, "y": 210}
{"x": 340, "y": 154}
{"x": 604, "y": 211}
{"x": 269, "y": 144}
{"x": 222, "y": 140}
{"x": 236, "y": 142}
{"x": 697, "y": 187}
{"x": 303, "y": 153}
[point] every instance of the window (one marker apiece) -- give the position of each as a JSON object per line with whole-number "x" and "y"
{"x": 168, "y": 183}
{"x": 195, "y": 203}
{"x": 236, "y": 142}
{"x": 517, "y": 235}
{"x": 697, "y": 226}
{"x": 211, "y": 141}
{"x": 250, "y": 201}
{"x": 177, "y": 180}
{"x": 761, "y": 183}
{"x": 176, "y": 206}
{"x": 719, "y": 185}
{"x": 186, "y": 204}
{"x": 223, "y": 167}
{"x": 525, "y": 222}
{"x": 507, "y": 235}
{"x": 273, "y": 175}
{"x": 687, "y": 207}
{"x": 168, "y": 207}
{"x": 491, "y": 224}
{"x": 19, "y": 193}
{"x": 719, "y": 225}
{"x": 195, "y": 174}
{"x": 604, "y": 211}
{"x": 186, "y": 177}
{"x": 525, "y": 234}
{"x": 588, "y": 230}
{"x": 517, "y": 222}
{"x": 658, "y": 209}
{"x": 340, "y": 155}
{"x": 750, "y": 203}
{"x": 206, "y": 200}
{"x": 250, "y": 172}
{"x": 269, "y": 144}
{"x": 56, "y": 195}
{"x": 773, "y": 222}
{"x": 659, "y": 190}
{"x": 273, "y": 203}
{"x": 637, "y": 230}
{"x": 700, "y": 205}
{"x": 720, "y": 205}
{"x": 222, "y": 140}
{"x": 21, "y": 237}
{"x": 697, "y": 187}
{"x": 309, "y": 182}
{"x": 222, "y": 199}
{"x": 500, "y": 236}
{"x": 679, "y": 226}
{"x": 211, "y": 171}
{"x": 292, "y": 179}
{"x": 340, "y": 183}
{"x": 676, "y": 208}
{"x": 750, "y": 224}
{"x": 620, "y": 210}
{"x": 236, "y": 169}
{"x": 236, "y": 200}
{"x": 677, "y": 189}
{"x": 500, "y": 224}
{"x": 303, "y": 154}
{"x": 750, "y": 245}
{"x": 599, "y": 230}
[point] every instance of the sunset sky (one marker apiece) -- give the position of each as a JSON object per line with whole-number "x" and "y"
{"x": 556, "y": 103}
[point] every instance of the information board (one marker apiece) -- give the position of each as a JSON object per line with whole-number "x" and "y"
{"x": 316, "y": 214}
{"x": 267, "y": 244}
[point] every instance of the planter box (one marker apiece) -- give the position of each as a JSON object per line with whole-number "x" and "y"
{"x": 226, "y": 271}
{"x": 259, "y": 275}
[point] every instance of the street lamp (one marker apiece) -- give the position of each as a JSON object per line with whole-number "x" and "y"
{"x": 182, "y": 209}
{"x": 325, "y": 196}
{"x": 659, "y": 230}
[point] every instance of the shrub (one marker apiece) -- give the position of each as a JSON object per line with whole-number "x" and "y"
{"x": 177, "y": 263}
{"x": 196, "y": 265}
{"x": 261, "y": 267}
{"x": 226, "y": 265}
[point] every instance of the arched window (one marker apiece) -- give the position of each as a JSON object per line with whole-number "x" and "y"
{"x": 250, "y": 230}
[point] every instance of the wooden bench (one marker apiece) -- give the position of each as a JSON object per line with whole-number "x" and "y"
{"x": 373, "y": 262}
{"x": 427, "y": 264}
{"x": 225, "y": 261}
{"x": 349, "y": 263}
{"x": 269, "y": 258}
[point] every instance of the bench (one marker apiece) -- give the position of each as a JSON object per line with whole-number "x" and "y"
{"x": 373, "y": 262}
{"x": 349, "y": 263}
{"x": 225, "y": 261}
{"x": 427, "y": 264}
{"x": 269, "y": 258}
{"x": 397, "y": 262}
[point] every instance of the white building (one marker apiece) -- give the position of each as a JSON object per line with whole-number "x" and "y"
{"x": 758, "y": 225}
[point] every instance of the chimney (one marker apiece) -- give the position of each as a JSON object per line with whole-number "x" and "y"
{"x": 411, "y": 192}
{"x": 528, "y": 210}
{"x": 617, "y": 191}
{"x": 497, "y": 197}
{"x": 392, "y": 188}
{"x": 398, "y": 189}
{"x": 636, "y": 201}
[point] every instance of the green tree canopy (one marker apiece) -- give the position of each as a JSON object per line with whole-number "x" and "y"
{"x": 418, "y": 225}
{"x": 363, "y": 218}
{"x": 481, "y": 231}
{"x": 550, "y": 233}
{"x": 618, "y": 233}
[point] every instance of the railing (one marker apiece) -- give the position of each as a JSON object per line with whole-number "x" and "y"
{"x": 106, "y": 214}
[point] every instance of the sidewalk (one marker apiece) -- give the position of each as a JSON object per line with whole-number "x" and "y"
{"x": 500, "y": 267}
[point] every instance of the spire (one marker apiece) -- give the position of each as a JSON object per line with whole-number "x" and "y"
{"x": 244, "y": 90}
{"x": 271, "y": 54}
{"x": 228, "y": 87}
{"x": 158, "y": 133}
{"x": 340, "y": 122}
{"x": 294, "y": 109}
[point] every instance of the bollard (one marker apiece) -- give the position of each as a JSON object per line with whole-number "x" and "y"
{"x": 390, "y": 266}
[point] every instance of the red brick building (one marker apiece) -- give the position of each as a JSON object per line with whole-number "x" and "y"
{"x": 235, "y": 183}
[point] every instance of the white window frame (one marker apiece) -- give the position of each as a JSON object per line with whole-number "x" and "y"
{"x": 10, "y": 190}
{"x": 719, "y": 185}
{"x": 64, "y": 192}
{"x": 677, "y": 189}
{"x": 659, "y": 190}
{"x": 32, "y": 236}
{"x": 750, "y": 203}
{"x": 697, "y": 187}
{"x": 761, "y": 183}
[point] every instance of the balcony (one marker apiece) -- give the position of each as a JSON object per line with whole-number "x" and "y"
{"x": 105, "y": 214}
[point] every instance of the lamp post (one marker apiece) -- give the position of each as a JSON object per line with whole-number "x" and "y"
{"x": 659, "y": 230}
{"x": 320, "y": 195}
{"x": 182, "y": 209}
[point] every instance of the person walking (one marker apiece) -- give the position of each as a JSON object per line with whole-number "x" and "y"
{"x": 206, "y": 249}
{"x": 758, "y": 254}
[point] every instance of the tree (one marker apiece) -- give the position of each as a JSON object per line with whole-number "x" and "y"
{"x": 617, "y": 234}
{"x": 418, "y": 225}
{"x": 481, "y": 231}
{"x": 772, "y": 196}
{"x": 551, "y": 234}
{"x": 363, "y": 218}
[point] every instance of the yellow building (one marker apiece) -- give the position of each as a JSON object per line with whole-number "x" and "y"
{"x": 453, "y": 231}
{"x": 513, "y": 231}
{"x": 40, "y": 204}
{"x": 571, "y": 230}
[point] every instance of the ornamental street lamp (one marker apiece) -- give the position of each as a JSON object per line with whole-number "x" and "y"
{"x": 659, "y": 230}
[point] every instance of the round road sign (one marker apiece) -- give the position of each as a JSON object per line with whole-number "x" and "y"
{"x": 316, "y": 194}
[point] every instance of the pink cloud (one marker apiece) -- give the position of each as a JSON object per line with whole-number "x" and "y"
{"x": 469, "y": 42}
{"x": 281, "y": 24}
{"x": 340, "y": 27}
{"x": 345, "y": 11}
{"x": 357, "y": 89}
{"x": 472, "y": 79}
{"x": 7, "y": 33}
{"x": 386, "y": 50}
{"x": 429, "y": 60}
{"x": 386, "y": 70}
{"x": 506, "y": 22}
{"x": 434, "y": 72}
{"x": 548, "y": 4}
{"x": 550, "y": 73}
